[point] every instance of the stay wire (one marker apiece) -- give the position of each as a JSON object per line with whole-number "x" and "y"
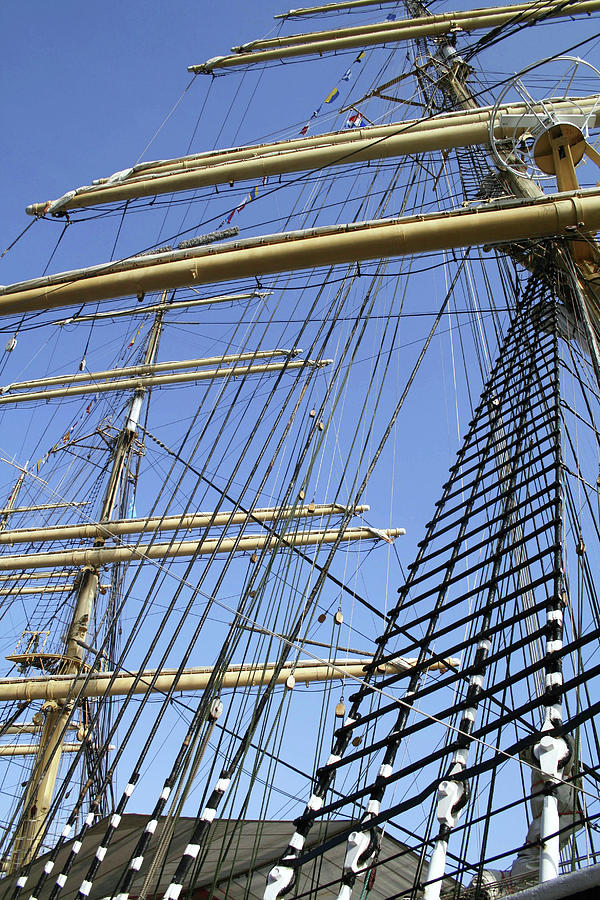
{"x": 17, "y": 239}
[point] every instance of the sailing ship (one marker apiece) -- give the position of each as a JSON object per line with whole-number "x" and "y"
{"x": 229, "y": 671}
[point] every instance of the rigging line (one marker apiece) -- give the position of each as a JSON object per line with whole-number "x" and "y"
{"x": 247, "y": 107}
{"x": 123, "y": 214}
{"x": 406, "y": 128}
{"x": 100, "y": 653}
{"x": 6, "y": 723}
{"x": 580, "y": 481}
{"x": 18, "y": 238}
{"x": 583, "y": 819}
{"x": 477, "y": 94}
{"x": 221, "y": 431}
{"x": 150, "y": 737}
{"x": 456, "y": 670}
{"x": 142, "y": 204}
{"x": 507, "y": 514}
{"x": 171, "y": 201}
{"x": 159, "y": 859}
{"x": 266, "y": 527}
{"x": 221, "y": 393}
{"x": 519, "y": 20}
{"x": 372, "y": 318}
{"x": 575, "y": 373}
{"x": 500, "y": 83}
{"x": 140, "y": 848}
{"x": 240, "y": 816}
{"x": 167, "y": 117}
{"x": 461, "y": 827}
{"x": 60, "y": 237}
{"x": 148, "y": 741}
{"x": 473, "y": 770}
{"x": 237, "y": 503}
{"x": 573, "y": 512}
{"x": 199, "y": 119}
{"x": 322, "y": 785}
{"x": 379, "y": 340}
{"x": 509, "y": 29}
{"x": 302, "y": 177}
{"x": 578, "y": 376}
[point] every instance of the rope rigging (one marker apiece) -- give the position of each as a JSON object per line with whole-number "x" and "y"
{"x": 498, "y": 611}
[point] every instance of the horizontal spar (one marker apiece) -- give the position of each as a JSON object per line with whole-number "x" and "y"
{"x": 459, "y": 20}
{"x": 22, "y": 579}
{"x": 138, "y": 381}
{"x": 151, "y": 369}
{"x": 491, "y": 223}
{"x": 310, "y": 142}
{"x": 247, "y": 675}
{"x": 18, "y": 591}
{"x": 11, "y": 510}
{"x": 357, "y": 37}
{"x": 297, "y": 155}
{"x": 30, "y": 728}
{"x": 175, "y": 306}
{"x": 96, "y": 557}
{"x": 32, "y": 749}
{"x": 332, "y": 7}
{"x": 174, "y": 523}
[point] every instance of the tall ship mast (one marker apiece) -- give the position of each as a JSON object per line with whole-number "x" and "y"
{"x": 300, "y": 475}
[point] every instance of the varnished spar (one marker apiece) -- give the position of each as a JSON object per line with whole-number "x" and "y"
{"x": 14, "y": 393}
{"x": 393, "y": 32}
{"x": 175, "y": 523}
{"x": 444, "y": 132}
{"x": 246, "y": 675}
{"x": 559, "y": 215}
{"x": 95, "y": 557}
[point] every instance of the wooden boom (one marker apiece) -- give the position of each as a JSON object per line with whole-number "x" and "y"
{"x": 245, "y": 675}
{"x": 559, "y": 215}
{"x": 392, "y": 32}
{"x": 338, "y": 148}
{"x": 173, "y": 523}
{"x": 95, "y": 557}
